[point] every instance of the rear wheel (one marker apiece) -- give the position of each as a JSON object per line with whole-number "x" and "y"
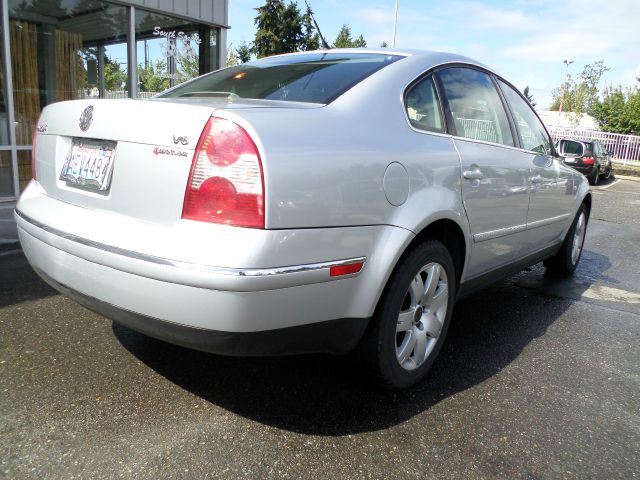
{"x": 412, "y": 318}
{"x": 593, "y": 178}
{"x": 566, "y": 260}
{"x": 607, "y": 173}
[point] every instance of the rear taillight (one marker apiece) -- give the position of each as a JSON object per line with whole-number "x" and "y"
{"x": 226, "y": 183}
{"x": 588, "y": 160}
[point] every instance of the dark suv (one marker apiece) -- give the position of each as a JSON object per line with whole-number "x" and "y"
{"x": 588, "y": 157}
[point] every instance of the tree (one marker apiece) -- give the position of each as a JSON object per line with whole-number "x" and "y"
{"x": 232, "y": 57}
{"x": 384, "y": 44}
{"x": 310, "y": 38}
{"x": 528, "y": 96}
{"x": 280, "y": 29}
{"x": 244, "y": 52}
{"x": 269, "y": 28}
{"x": 344, "y": 40}
{"x": 152, "y": 78}
{"x": 114, "y": 77}
{"x": 619, "y": 111}
{"x": 581, "y": 95}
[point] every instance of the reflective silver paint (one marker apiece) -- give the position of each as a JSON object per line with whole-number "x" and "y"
{"x": 330, "y": 194}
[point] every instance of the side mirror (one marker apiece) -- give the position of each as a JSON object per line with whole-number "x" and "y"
{"x": 570, "y": 148}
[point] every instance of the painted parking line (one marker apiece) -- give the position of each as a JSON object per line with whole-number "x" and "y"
{"x": 610, "y": 294}
{"x": 604, "y": 187}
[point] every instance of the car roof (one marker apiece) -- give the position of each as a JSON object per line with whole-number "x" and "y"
{"x": 428, "y": 58}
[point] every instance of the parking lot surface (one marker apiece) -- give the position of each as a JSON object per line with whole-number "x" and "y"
{"x": 539, "y": 378}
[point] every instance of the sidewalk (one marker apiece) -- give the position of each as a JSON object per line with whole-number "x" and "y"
{"x": 8, "y": 232}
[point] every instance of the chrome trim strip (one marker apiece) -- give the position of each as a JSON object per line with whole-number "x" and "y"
{"x": 490, "y": 235}
{"x": 548, "y": 221}
{"x": 233, "y": 272}
{"x": 484, "y": 236}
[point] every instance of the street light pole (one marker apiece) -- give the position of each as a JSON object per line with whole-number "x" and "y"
{"x": 567, "y": 62}
{"x": 395, "y": 24}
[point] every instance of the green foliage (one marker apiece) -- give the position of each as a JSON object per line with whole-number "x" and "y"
{"x": 188, "y": 63}
{"x": 384, "y": 44}
{"x": 344, "y": 40}
{"x": 528, "y": 96}
{"x": 244, "y": 52}
{"x": 269, "y": 29}
{"x": 619, "y": 111}
{"x": 114, "y": 77}
{"x": 151, "y": 78}
{"x": 310, "y": 38}
{"x": 232, "y": 57}
{"x": 281, "y": 29}
{"x": 580, "y": 95}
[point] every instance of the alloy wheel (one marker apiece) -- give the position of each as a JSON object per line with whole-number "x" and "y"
{"x": 422, "y": 316}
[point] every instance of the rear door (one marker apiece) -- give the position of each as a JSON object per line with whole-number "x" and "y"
{"x": 553, "y": 185}
{"x": 495, "y": 183}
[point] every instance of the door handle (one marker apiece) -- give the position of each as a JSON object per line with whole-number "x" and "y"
{"x": 537, "y": 179}
{"x": 474, "y": 174}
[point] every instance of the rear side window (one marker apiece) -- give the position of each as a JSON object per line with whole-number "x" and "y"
{"x": 588, "y": 149}
{"x": 313, "y": 78}
{"x": 475, "y": 105}
{"x": 533, "y": 135}
{"x": 422, "y": 106}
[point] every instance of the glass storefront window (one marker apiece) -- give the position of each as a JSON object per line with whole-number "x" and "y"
{"x": 6, "y": 177}
{"x": 4, "y": 111}
{"x": 168, "y": 51}
{"x": 77, "y": 49}
{"x": 56, "y": 48}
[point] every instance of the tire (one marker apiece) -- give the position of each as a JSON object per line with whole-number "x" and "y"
{"x": 564, "y": 262}
{"x": 411, "y": 320}
{"x": 593, "y": 178}
{"x": 607, "y": 173}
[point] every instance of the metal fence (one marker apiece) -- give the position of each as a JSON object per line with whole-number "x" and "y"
{"x": 625, "y": 149}
{"x": 115, "y": 94}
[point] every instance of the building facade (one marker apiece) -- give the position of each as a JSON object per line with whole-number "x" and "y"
{"x": 54, "y": 50}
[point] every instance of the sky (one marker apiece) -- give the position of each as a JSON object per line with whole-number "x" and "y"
{"x": 526, "y": 41}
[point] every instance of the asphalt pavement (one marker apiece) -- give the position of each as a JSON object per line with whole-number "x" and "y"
{"x": 539, "y": 379}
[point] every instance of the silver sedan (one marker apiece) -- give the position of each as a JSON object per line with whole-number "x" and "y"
{"x": 313, "y": 202}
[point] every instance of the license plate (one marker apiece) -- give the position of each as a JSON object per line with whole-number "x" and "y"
{"x": 89, "y": 164}
{"x": 569, "y": 160}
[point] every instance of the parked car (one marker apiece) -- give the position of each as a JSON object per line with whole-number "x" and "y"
{"x": 590, "y": 158}
{"x": 313, "y": 202}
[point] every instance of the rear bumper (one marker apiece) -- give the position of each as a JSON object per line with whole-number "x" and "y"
{"x": 586, "y": 170}
{"x": 333, "y": 336}
{"x": 252, "y": 308}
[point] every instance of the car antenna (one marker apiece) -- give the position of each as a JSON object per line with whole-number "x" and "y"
{"x": 325, "y": 45}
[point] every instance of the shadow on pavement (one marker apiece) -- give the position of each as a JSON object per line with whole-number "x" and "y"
{"x": 19, "y": 283}
{"x": 326, "y": 395}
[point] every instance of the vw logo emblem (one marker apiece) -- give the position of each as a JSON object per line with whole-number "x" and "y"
{"x": 86, "y": 118}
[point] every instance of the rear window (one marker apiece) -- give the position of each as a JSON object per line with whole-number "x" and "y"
{"x": 313, "y": 78}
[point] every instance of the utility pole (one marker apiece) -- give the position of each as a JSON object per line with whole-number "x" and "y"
{"x": 395, "y": 24}
{"x": 567, "y": 62}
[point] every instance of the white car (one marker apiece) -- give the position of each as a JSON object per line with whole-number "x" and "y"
{"x": 313, "y": 202}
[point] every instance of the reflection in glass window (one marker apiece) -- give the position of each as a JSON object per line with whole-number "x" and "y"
{"x": 312, "y": 78}
{"x": 56, "y": 48}
{"x": 533, "y": 135}
{"x": 6, "y": 178}
{"x": 422, "y": 106}
{"x": 475, "y": 105}
{"x": 168, "y": 51}
{"x": 4, "y": 113}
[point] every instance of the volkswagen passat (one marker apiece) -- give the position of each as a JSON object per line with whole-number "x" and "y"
{"x": 314, "y": 202}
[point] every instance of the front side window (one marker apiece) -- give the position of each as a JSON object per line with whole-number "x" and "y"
{"x": 475, "y": 105}
{"x": 313, "y": 78}
{"x": 422, "y": 107}
{"x": 533, "y": 135}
